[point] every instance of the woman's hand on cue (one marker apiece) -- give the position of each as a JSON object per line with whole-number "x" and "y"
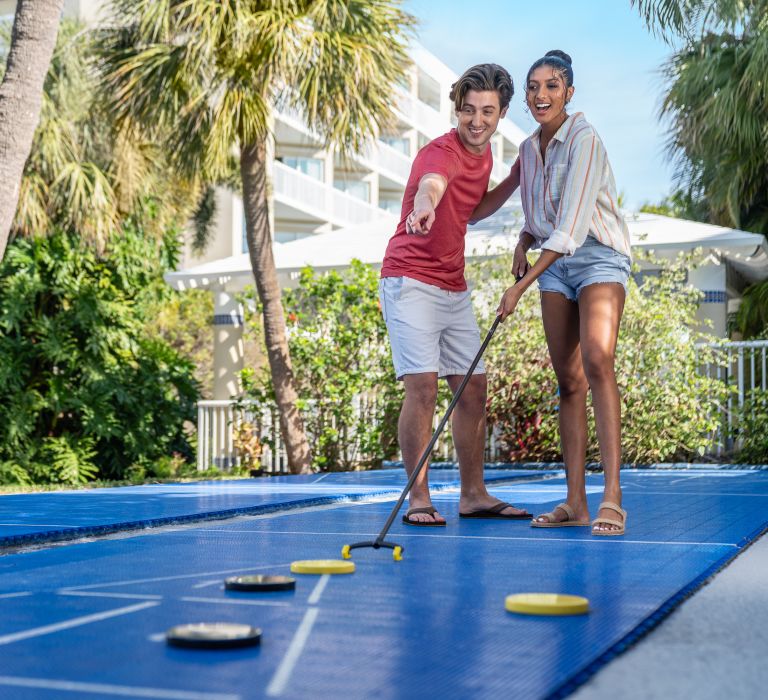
{"x": 509, "y": 301}
{"x": 519, "y": 261}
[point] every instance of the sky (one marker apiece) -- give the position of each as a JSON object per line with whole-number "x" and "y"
{"x": 616, "y": 61}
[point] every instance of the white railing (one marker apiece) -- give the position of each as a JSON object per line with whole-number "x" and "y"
{"x": 374, "y": 156}
{"x": 309, "y": 194}
{"x": 218, "y": 422}
{"x": 391, "y": 160}
{"x": 742, "y": 366}
{"x": 425, "y": 118}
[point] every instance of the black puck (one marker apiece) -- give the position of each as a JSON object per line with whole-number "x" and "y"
{"x": 213, "y": 635}
{"x": 260, "y": 583}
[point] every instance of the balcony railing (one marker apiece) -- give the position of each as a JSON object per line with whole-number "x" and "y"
{"x": 426, "y": 119}
{"x": 376, "y": 156}
{"x": 390, "y": 160}
{"x": 319, "y": 199}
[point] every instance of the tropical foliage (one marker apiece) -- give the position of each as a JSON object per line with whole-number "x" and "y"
{"x": 716, "y": 105}
{"x": 669, "y": 411}
{"x": 205, "y": 77}
{"x": 344, "y": 375}
{"x": 84, "y": 392}
{"x": 85, "y": 175}
{"x": 752, "y": 433}
{"x": 338, "y": 341}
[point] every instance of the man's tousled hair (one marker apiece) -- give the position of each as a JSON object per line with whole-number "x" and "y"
{"x": 482, "y": 77}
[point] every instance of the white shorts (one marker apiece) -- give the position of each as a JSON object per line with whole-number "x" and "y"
{"x": 430, "y": 329}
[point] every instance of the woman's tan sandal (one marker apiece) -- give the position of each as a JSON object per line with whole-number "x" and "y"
{"x": 570, "y": 519}
{"x": 620, "y": 525}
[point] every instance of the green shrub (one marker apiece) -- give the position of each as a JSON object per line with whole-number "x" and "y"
{"x": 84, "y": 393}
{"x": 752, "y": 428}
{"x": 669, "y": 411}
{"x": 339, "y": 349}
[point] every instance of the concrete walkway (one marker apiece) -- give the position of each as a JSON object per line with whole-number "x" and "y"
{"x": 713, "y": 647}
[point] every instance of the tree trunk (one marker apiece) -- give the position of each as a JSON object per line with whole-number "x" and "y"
{"x": 33, "y": 39}
{"x": 253, "y": 169}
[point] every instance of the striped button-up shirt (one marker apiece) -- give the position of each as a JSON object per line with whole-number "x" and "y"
{"x": 571, "y": 194}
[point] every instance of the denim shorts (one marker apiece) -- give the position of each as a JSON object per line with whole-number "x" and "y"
{"x": 592, "y": 263}
{"x": 430, "y": 329}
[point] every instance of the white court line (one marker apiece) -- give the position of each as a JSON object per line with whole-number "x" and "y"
{"x": 232, "y": 601}
{"x": 590, "y": 539}
{"x": 283, "y": 674}
{"x": 74, "y": 622}
{"x": 207, "y": 584}
{"x": 98, "y": 594}
{"x": 156, "y": 579}
{"x": 21, "y": 594}
{"x": 108, "y": 689}
{"x": 314, "y": 598}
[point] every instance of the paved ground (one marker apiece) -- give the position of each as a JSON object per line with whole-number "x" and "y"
{"x": 713, "y": 647}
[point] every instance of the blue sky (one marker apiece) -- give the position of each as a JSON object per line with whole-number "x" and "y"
{"x": 615, "y": 61}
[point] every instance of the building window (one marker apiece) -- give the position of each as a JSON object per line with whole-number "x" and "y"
{"x": 288, "y": 236}
{"x": 393, "y": 206}
{"x": 400, "y": 144}
{"x": 357, "y": 188}
{"x": 314, "y": 167}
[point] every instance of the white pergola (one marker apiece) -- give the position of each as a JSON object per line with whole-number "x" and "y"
{"x": 728, "y": 258}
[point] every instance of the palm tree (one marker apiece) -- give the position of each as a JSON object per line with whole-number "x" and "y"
{"x": 210, "y": 73}
{"x": 716, "y": 105}
{"x": 84, "y": 175}
{"x": 35, "y": 26}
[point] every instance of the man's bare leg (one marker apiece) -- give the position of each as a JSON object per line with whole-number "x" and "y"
{"x": 414, "y": 429}
{"x": 468, "y": 424}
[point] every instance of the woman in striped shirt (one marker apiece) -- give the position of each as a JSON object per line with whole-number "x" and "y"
{"x": 569, "y": 201}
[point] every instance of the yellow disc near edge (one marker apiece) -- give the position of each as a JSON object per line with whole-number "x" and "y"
{"x": 546, "y": 604}
{"x": 323, "y": 566}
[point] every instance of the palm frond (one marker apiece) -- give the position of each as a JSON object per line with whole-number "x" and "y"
{"x": 689, "y": 19}
{"x": 717, "y": 112}
{"x": 86, "y": 201}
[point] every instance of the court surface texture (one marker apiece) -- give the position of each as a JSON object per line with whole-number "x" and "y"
{"x": 86, "y": 618}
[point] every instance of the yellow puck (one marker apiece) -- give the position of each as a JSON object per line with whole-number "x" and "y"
{"x": 546, "y": 604}
{"x": 323, "y": 566}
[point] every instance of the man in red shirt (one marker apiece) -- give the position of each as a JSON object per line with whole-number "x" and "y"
{"x": 424, "y": 296}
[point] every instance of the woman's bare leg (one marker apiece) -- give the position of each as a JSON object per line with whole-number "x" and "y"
{"x": 600, "y": 309}
{"x": 562, "y": 329}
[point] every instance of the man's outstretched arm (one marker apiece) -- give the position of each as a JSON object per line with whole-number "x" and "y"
{"x": 431, "y": 190}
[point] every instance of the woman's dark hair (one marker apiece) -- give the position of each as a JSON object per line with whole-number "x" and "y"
{"x": 559, "y": 61}
{"x": 485, "y": 76}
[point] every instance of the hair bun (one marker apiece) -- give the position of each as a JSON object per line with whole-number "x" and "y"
{"x": 561, "y": 55}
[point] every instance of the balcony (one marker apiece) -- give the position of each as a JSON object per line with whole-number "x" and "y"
{"x": 426, "y": 119}
{"x": 313, "y": 197}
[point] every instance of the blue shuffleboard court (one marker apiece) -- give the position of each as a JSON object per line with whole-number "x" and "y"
{"x": 87, "y": 619}
{"x": 49, "y": 517}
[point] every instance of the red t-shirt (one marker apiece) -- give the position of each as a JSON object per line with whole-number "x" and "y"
{"x": 438, "y": 257}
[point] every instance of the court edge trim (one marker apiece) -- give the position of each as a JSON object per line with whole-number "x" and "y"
{"x": 12, "y": 542}
{"x": 654, "y": 619}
